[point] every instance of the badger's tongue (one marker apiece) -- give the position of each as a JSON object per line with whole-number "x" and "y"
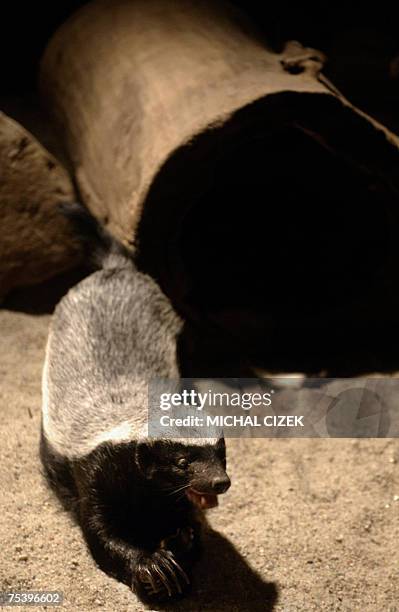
{"x": 202, "y": 500}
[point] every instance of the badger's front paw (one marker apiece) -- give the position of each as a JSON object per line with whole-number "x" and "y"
{"x": 159, "y": 575}
{"x": 181, "y": 542}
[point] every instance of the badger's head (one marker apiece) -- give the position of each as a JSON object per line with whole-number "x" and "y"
{"x": 197, "y": 470}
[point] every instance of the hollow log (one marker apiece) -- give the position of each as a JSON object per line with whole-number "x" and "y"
{"x": 133, "y": 81}
{"x": 221, "y": 159}
{"x": 37, "y": 242}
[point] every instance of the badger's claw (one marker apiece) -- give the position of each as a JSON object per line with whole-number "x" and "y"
{"x": 175, "y": 563}
{"x": 160, "y": 575}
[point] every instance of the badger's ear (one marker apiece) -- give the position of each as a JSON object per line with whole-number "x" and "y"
{"x": 221, "y": 444}
{"x": 144, "y": 459}
{"x": 221, "y": 450}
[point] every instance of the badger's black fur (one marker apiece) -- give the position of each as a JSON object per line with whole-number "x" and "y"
{"x": 133, "y": 496}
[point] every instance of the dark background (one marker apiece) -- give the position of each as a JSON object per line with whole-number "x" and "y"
{"x": 361, "y": 43}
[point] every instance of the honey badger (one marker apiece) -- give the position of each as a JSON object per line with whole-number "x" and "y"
{"x": 137, "y": 499}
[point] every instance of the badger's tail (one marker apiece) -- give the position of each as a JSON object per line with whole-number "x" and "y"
{"x": 102, "y": 250}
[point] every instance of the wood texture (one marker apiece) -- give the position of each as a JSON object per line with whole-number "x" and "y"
{"x": 36, "y": 241}
{"x": 131, "y": 82}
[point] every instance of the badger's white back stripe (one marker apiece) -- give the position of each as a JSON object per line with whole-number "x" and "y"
{"x": 119, "y": 433}
{"x": 109, "y": 335}
{"x": 196, "y": 441}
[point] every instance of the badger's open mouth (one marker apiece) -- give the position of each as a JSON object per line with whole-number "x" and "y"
{"x": 202, "y": 500}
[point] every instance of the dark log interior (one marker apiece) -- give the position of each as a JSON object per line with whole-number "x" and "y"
{"x": 288, "y": 242}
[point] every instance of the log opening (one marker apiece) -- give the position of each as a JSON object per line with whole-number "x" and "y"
{"x": 281, "y": 228}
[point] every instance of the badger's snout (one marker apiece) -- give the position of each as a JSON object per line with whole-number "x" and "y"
{"x": 220, "y": 484}
{"x": 205, "y": 495}
{"x": 212, "y": 481}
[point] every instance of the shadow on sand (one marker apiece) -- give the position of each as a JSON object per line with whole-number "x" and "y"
{"x": 224, "y": 582}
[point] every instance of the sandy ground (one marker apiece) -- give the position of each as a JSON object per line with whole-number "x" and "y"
{"x": 307, "y": 524}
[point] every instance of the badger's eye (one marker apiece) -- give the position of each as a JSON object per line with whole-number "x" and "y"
{"x": 182, "y": 463}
